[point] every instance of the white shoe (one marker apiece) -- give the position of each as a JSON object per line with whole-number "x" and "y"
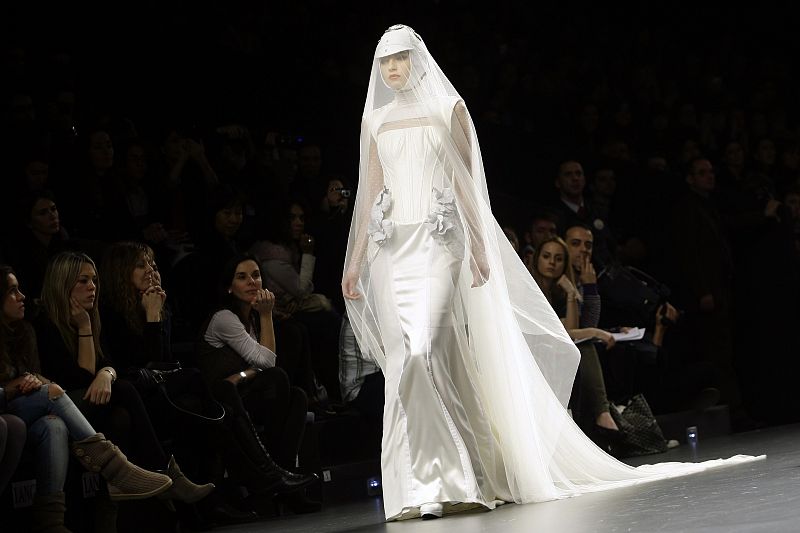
{"x": 429, "y": 511}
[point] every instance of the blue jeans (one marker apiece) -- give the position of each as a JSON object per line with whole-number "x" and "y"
{"x": 35, "y": 405}
{"x": 47, "y": 437}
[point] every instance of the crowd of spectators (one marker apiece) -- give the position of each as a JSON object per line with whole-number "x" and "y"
{"x": 220, "y": 159}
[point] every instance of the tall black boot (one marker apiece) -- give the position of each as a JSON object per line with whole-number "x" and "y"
{"x": 281, "y": 480}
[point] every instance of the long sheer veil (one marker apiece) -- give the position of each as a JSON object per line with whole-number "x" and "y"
{"x": 518, "y": 354}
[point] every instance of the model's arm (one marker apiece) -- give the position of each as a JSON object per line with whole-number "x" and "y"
{"x": 467, "y": 196}
{"x": 374, "y": 184}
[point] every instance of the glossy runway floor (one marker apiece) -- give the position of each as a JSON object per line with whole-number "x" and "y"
{"x": 758, "y": 496}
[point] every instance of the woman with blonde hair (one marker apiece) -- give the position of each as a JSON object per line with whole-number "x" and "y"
{"x": 68, "y": 332}
{"x": 556, "y": 277}
{"x": 52, "y": 417}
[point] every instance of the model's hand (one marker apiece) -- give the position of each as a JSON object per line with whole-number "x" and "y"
{"x": 263, "y": 302}
{"x": 349, "y": 285}
{"x": 99, "y": 392}
{"x": 480, "y": 269}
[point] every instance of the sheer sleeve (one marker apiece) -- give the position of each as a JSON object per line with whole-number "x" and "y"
{"x": 465, "y": 190}
{"x": 373, "y": 185}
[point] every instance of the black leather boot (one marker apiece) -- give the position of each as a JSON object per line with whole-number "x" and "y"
{"x": 280, "y": 480}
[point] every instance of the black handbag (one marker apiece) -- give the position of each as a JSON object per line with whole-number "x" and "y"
{"x": 640, "y": 433}
{"x": 153, "y": 379}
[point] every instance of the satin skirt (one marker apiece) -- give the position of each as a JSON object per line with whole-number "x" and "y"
{"x": 437, "y": 442}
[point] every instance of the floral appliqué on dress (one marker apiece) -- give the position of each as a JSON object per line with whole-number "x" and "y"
{"x": 443, "y": 221}
{"x": 380, "y": 228}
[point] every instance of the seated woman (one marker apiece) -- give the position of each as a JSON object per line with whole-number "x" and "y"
{"x": 555, "y": 277}
{"x": 237, "y": 358}
{"x": 38, "y": 236}
{"x": 52, "y": 416}
{"x": 136, "y": 329}
{"x": 68, "y": 333}
{"x": 287, "y": 260}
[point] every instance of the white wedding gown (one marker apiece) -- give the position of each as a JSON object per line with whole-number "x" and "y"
{"x": 448, "y": 436}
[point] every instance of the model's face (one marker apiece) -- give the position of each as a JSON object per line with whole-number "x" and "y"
{"x": 143, "y": 275}
{"x": 44, "y": 217}
{"x": 246, "y": 281}
{"x": 85, "y": 288}
{"x": 395, "y": 69}
{"x": 579, "y": 244}
{"x": 551, "y": 261}
{"x": 13, "y": 301}
{"x": 297, "y": 221}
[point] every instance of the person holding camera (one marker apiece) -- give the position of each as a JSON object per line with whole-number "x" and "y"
{"x": 331, "y": 226}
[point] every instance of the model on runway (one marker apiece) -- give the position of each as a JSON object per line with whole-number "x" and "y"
{"x": 478, "y": 367}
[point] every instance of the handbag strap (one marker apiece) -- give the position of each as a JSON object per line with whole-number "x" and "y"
{"x": 163, "y": 388}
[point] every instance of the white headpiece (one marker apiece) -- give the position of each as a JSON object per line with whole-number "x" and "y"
{"x": 396, "y": 39}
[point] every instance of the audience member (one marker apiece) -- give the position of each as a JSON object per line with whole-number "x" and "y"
{"x": 238, "y": 361}
{"x": 68, "y": 334}
{"x": 555, "y": 276}
{"x": 51, "y": 416}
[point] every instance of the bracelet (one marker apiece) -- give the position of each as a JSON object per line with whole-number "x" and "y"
{"x": 85, "y": 334}
{"x": 113, "y": 375}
